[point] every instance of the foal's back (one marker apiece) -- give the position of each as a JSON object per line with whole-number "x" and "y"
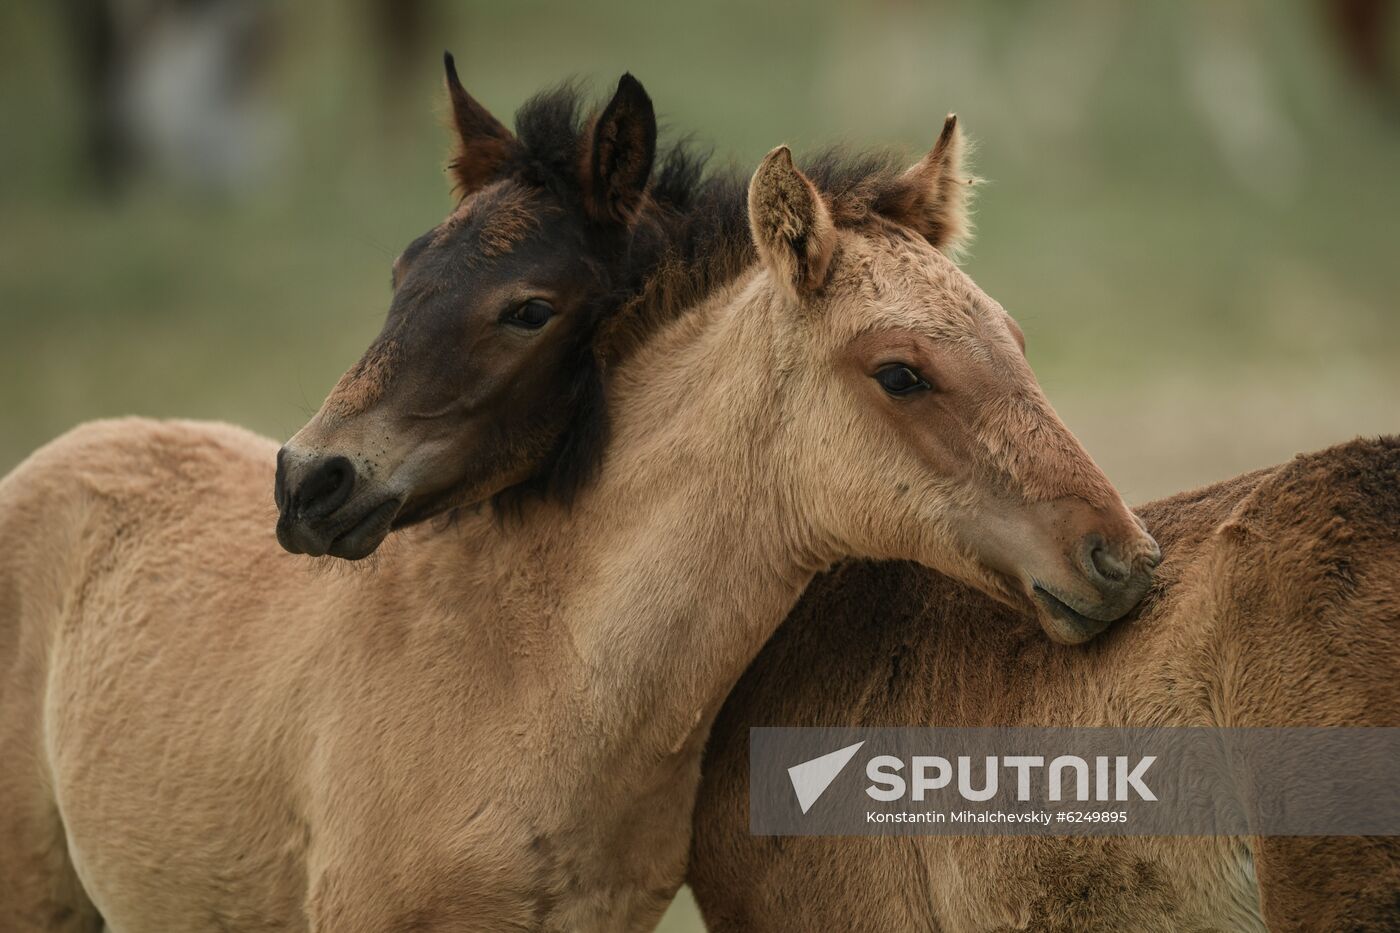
{"x": 1268, "y": 580}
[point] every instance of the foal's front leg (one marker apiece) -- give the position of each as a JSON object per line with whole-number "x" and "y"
{"x": 39, "y": 889}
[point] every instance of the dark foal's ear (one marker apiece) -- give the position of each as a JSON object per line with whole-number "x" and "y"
{"x": 617, "y": 163}
{"x": 482, "y": 143}
{"x": 933, "y": 195}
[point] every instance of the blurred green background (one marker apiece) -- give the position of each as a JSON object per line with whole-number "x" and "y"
{"x": 1191, "y": 207}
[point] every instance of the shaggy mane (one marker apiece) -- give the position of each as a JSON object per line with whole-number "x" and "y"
{"x": 705, "y": 244}
{"x": 674, "y": 228}
{"x": 691, "y": 238}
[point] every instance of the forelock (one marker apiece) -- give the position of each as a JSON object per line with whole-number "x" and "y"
{"x": 552, "y": 132}
{"x": 504, "y": 214}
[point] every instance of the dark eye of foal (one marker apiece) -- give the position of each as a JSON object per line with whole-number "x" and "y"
{"x": 532, "y": 315}
{"x": 898, "y": 379}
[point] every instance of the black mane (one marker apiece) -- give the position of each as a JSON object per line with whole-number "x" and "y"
{"x": 691, "y": 239}
{"x": 552, "y": 134}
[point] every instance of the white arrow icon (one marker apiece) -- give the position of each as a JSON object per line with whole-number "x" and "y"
{"x": 811, "y": 778}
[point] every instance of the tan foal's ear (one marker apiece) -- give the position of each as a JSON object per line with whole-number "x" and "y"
{"x": 934, "y": 195}
{"x": 481, "y": 144}
{"x": 790, "y": 223}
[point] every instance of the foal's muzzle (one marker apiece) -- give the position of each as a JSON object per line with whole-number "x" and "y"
{"x": 1112, "y": 578}
{"x": 325, "y": 507}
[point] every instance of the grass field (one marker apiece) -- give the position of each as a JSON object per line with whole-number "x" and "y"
{"x": 1191, "y": 208}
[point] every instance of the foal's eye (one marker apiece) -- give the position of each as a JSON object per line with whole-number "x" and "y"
{"x": 532, "y": 315}
{"x": 898, "y": 379}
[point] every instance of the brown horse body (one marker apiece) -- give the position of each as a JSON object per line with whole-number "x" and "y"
{"x": 1277, "y": 604}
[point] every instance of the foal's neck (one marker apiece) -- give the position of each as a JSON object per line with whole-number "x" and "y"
{"x": 685, "y": 555}
{"x": 698, "y": 552}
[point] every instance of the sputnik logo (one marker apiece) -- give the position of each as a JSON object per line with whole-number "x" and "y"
{"x": 811, "y": 778}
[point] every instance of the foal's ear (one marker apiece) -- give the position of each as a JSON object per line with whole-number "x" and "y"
{"x": 617, "y": 161}
{"x": 933, "y": 196}
{"x": 790, "y": 223}
{"x": 482, "y": 143}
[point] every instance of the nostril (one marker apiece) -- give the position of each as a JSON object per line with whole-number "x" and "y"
{"x": 326, "y": 488}
{"x": 1108, "y": 566}
{"x": 279, "y": 483}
